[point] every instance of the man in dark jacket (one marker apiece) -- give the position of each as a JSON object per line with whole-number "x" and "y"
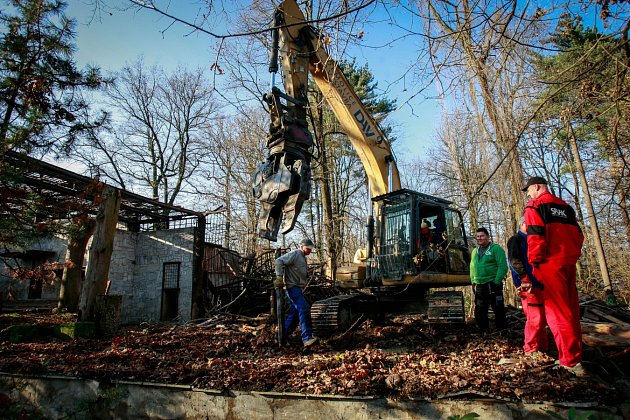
{"x": 554, "y": 241}
{"x": 529, "y": 290}
{"x": 291, "y": 272}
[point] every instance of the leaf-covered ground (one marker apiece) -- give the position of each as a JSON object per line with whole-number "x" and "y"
{"x": 402, "y": 359}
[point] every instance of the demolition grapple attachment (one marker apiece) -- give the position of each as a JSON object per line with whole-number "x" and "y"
{"x": 283, "y": 182}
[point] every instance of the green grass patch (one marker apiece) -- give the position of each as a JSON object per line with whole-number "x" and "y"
{"x": 75, "y": 329}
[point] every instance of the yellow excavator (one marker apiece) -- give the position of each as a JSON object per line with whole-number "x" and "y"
{"x": 415, "y": 242}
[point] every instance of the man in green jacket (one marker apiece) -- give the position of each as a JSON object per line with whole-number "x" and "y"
{"x": 488, "y": 267}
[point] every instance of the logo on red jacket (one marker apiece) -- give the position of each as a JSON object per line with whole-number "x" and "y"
{"x": 558, "y": 212}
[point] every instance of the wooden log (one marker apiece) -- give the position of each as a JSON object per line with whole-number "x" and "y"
{"x": 604, "y": 335}
{"x": 607, "y": 316}
{"x": 620, "y": 331}
{"x": 600, "y": 340}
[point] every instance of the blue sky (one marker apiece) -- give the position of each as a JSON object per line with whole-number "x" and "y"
{"x": 116, "y": 37}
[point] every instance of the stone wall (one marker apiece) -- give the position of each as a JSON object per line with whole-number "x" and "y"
{"x": 137, "y": 267}
{"x": 19, "y": 289}
{"x": 136, "y": 271}
{"x": 59, "y": 397}
{"x": 121, "y": 273}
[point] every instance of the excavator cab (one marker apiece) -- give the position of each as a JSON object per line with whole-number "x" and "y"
{"x": 418, "y": 244}
{"x": 418, "y": 236}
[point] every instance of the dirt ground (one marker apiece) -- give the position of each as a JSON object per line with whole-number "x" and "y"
{"x": 403, "y": 358}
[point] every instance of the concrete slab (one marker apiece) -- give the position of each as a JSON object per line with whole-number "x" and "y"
{"x": 62, "y": 397}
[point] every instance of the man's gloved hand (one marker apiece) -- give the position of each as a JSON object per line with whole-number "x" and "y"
{"x": 279, "y": 282}
{"x": 526, "y": 284}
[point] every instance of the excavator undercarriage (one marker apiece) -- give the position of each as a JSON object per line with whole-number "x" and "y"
{"x": 340, "y": 313}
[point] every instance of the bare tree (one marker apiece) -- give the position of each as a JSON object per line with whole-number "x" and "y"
{"x": 157, "y": 141}
{"x": 459, "y": 168}
{"x": 590, "y": 69}
{"x": 483, "y": 53}
{"x": 484, "y": 45}
{"x": 235, "y": 146}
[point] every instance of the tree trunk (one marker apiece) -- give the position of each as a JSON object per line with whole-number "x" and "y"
{"x": 71, "y": 279}
{"x": 315, "y": 215}
{"x": 198, "y": 308}
{"x": 328, "y": 213}
{"x": 597, "y": 240}
{"x": 228, "y": 206}
{"x": 622, "y": 186}
{"x": 100, "y": 252}
{"x": 582, "y": 221}
{"x": 326, "y": 193}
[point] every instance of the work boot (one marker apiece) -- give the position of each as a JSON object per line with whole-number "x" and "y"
{"x": 578, "y": 370}
{"x": 310, "y": 342}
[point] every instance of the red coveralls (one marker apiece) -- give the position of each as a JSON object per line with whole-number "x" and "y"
{"x": 535, "y": 334}
{"x": 554, "y": 241}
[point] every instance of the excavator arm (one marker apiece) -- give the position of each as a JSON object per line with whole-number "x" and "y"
{"x": 282, "y": 182}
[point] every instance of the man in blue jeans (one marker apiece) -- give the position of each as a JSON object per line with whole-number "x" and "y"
{"x": 291, "y": 272}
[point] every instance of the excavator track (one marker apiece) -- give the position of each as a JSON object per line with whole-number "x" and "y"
{"x": 446, "y": 306}
{"x": 333, "y": 315}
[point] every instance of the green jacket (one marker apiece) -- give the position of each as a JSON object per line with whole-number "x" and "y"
{"x": 492, "y": 266}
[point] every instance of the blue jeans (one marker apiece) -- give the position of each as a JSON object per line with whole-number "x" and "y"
{"x": 300, "y": 310}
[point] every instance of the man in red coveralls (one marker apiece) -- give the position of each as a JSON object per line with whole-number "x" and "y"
{"x": 554, "y": 241}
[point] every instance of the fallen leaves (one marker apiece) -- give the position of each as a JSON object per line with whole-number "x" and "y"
{"x": 399, "y": 360}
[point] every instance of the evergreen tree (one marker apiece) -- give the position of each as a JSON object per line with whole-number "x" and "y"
{"x": 362, "y": 80}
{"x": 40, "y": 102}
{"x": 41, "y": 107}
{"x": 589, "y": 85}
